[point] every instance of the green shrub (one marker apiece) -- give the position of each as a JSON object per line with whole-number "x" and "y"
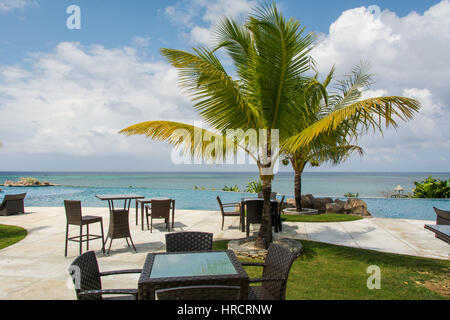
{"x": 351, "y": 195}
{"x": 231, "y": 189}
{"x": 432, "y": 188}
{"x": 254, "y": 187}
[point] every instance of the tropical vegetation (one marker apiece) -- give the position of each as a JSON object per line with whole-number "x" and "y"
{"x": 329, "y": 123}
{"x": 234, "y": 188}
{"x": 28, "y": 181}
{"x": 254, "y": 187}
{"x": 351, "y": 195}
{"x": 270, "y": 55}
{"x": 432, "y": 188}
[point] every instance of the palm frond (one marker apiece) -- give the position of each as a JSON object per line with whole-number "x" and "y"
{"x": 194, "y": 141}
{"x": 283, "y": 56}
{"x": 218, "y": 97}
{"x": 366, "y": 114}
{"x": 237, "y": 40}
{"x": 335, "y": 154}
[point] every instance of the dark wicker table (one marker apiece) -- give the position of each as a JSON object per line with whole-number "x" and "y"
{"x": 274, "y": 204}
{"x": 119, "y": 226}
{"x": 442, "y": 231}
{"x": 179, "y": 269}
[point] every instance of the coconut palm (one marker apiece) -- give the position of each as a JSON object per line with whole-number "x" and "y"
{"x": 310, "y": 145}
{"x": 357, "y": 114}
{"x": 269, "y": 55}
{"x": 333, "y": 148}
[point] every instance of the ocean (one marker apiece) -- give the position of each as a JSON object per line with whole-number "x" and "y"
{"x": 180, "y": 186}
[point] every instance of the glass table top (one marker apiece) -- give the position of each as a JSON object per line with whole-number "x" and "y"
{"x": 445, "y": 229}
{"x": 192, "y": 264}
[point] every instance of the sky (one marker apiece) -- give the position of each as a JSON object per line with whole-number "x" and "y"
{"x": 65, "y": 93}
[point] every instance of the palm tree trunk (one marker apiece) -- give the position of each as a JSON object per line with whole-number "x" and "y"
{"x": 298, "y": 190}
{"x": 264, "y": 238}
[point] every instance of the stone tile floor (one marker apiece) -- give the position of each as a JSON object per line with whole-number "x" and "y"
{"x": 35, "y": 268}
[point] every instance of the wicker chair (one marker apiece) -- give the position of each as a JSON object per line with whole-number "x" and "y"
{"x": 275, "y": 274}
{"x": 12, "y": 204}
{"x": 234, "y": 213}
{"x": 74, "y": 217}
{"x": 442, "y": 218}
{"x": 277, "y": 218}
{"x": 189, "y": 241}
{"x": 254, "y": 213}
{"x": 273, "y": 195}
{"x": 160, "y": 209}
{"x": 199, "y": 293}
{"x": 86, "y": 277}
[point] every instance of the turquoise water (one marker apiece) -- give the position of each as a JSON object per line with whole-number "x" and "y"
{"x": 179, "y": 186}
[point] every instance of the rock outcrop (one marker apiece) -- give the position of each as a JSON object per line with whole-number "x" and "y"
{"x": 327, "y": 205}
{"x": 356, "y": 207}
{"x": 27, "y": 182}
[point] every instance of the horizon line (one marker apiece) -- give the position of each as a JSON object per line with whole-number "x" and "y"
{"x": 252, "y": 172}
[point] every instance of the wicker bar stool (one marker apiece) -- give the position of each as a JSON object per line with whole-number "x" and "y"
{"x": 75, "y": 217}
{"x": 189, "y": 241}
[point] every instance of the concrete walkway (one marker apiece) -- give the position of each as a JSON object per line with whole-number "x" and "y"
{"x": 35, "y": 268}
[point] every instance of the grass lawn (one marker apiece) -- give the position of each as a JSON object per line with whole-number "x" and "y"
{"x": 10, "y": 235}
{"x": 327, "y": 217}
{"x": 326, "y": 271}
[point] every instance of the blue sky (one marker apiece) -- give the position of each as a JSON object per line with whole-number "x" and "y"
{"x": 65, "y": 93}
{"x": 112, "y": 23}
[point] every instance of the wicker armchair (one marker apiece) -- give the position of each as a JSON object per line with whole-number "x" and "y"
{"x": 86, "y": 277}
{"x": 275, "y": 274}
{"x": 234, "y": 213}
{"x": 189, "y": 241}
{"x": 442, "y": 216}
{"x": 12, "y": 204}
{"x": 273, "y": 195}
{"x": 277, "y": 216}
{"x": 199, "y": 293}
{"x": 254, "y": 213}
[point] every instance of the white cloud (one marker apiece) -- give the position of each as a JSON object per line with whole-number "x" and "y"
{"x": 141, "y": 42}
{"x": 74, "y": 100}
{"x": 199, "y": 17}
{"x": 202, "y": 36}
{"x": 10, "y": 5}
{"x": 409, "y": 57}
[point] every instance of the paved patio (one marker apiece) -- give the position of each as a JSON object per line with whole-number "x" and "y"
{"x": 35, "y": 268}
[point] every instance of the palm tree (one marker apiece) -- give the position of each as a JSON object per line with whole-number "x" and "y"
{"x": 269, "y": 54}
{"x": 312, "y": 103}
{"x": 328, "y": 124}
{"x": 360, "y": 115}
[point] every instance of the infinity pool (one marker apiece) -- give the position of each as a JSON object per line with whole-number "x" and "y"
{"x": 421, "y": 209}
